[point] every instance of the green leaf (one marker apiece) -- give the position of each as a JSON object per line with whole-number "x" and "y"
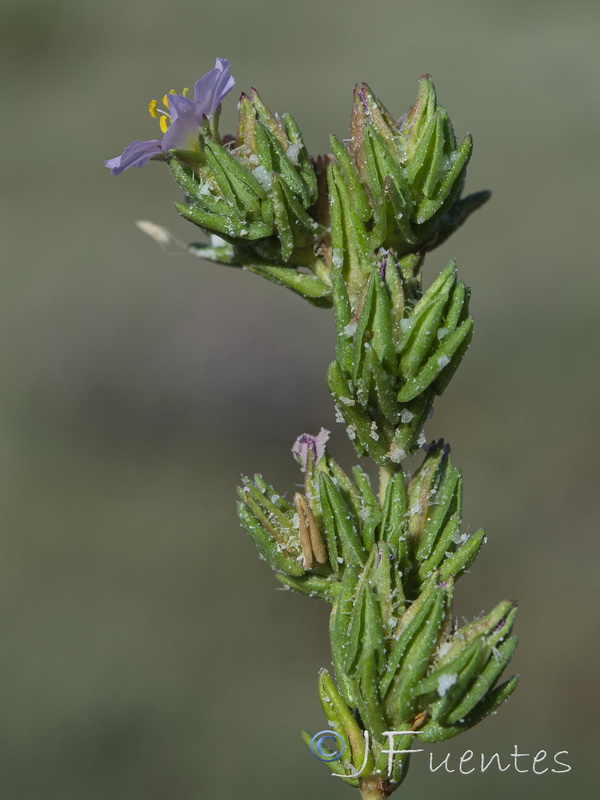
{"x": 427, "y": 606}
{"x": 342, "y": 719}
{"x": 343, "y": 318}
{"x": 230, "y": 228}
{"x": 387, "y": 586}
{"x": 436, "y": 363}
{"x": 354, "y": 416}
{"x": 304, "y": 166}
{"x": 339, "y": 631}
{"x": 424, "y": 332}
{"x": 450, "y": 182}
{"x": 423, "y": 486}
{"x": 309, "y": 286}
{"x": 246, "y": 189}
{"x": 351, "y": 253}
{"x": 393, "y": 517}
{"x": 485, "y": 680}
{"x": 438, "y": 732}
{"x": 424, "y": 166}
{"x": 339, "y": 520}
{"x": 441, "y": 506}
{"x": 358, "y": 196}
{"x": 388, "y": 166}
{"x": 282, "y": 220}
{"x": 268, "y": 545}
{"x": 447, "y": 373}
{"x": 445, "y": 279}
{"x": 382, "y": 337}
{"x": 459, "y": 562}
{"x": 430, "y": 684}
{"x": 363, "y": 332}
{"x": 419, "y": 115}
{"x": 468, "y": 665}
{"x": 443, "y": 548}
{"x": 415, "y": 657}
{"x": 376, "y": 387}
{"x": 285, "y": 169}
{"x": 311, "y": 585}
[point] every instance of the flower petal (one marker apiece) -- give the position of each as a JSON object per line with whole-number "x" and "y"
{"x": 135, "y": 154}
{"x": 211, "y": 88}
{"x": 182, "y": 133}
{"x": 178, "y": 104}
{"x": 308, "y": 447}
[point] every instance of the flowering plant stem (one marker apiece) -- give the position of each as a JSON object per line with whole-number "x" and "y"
{"x": 350, "y": 230}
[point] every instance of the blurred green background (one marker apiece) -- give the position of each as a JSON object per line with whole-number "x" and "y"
{"x": 147, "y": 654}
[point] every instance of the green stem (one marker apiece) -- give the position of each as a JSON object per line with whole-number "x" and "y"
{"x": 371, "y": 788}
{"x": 385, "y": 473}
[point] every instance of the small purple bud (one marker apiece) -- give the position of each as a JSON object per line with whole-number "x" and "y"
{"x": 307, "y": 447}
{"x": 501, "y": 624}
{"x": 383, "y": 265}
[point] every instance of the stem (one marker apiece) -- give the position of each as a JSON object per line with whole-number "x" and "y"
{"x": 385, "y": 473}
{"x": 372, "y": 788}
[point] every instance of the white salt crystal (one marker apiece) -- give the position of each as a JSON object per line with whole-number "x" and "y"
{"x": 263, "y": 177}
{"x": 445, "y": 682}
{"x": 396, "y": 453}
{"x": 292, "y": 153}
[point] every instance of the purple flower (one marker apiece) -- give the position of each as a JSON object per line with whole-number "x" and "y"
{"x": 307, "y": 447}
{"x": 181, "y": 120}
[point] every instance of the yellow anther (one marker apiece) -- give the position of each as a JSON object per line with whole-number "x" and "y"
{"x": 152, "y": 109}
{"x": 165, "y": 98}
{"x": 185, "y": 91}
{"x": 164, "y": 123}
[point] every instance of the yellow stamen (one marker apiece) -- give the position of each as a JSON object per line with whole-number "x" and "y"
{"x": 165, "y": 97}
{"x": 164, "y": 116}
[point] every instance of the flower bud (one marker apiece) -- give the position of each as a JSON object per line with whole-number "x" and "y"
{"x": 412, "y": 172}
